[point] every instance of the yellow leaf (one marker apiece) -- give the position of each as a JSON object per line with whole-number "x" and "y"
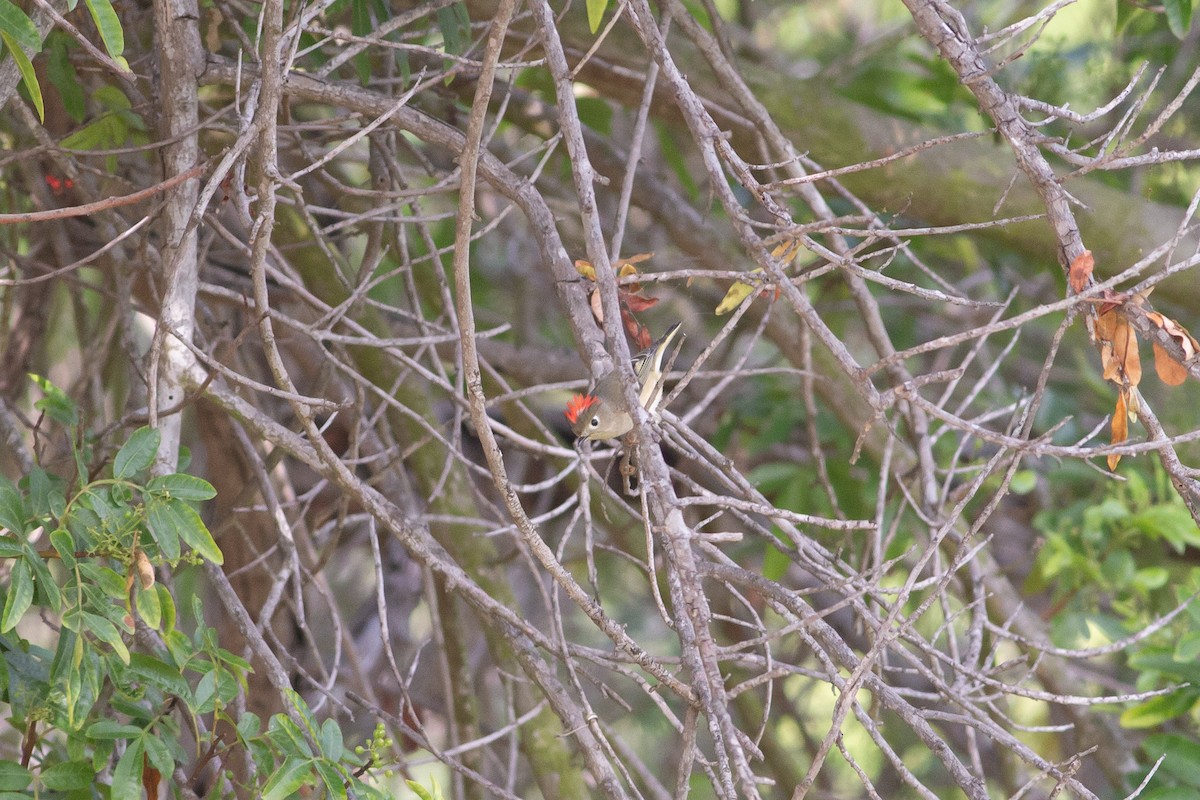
{"x": 785, "y": 251}
{"x": 736, "y": 294}
{"x": 585, "y": 269}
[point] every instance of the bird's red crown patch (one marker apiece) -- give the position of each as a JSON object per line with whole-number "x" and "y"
{"x": 577, "y": 405}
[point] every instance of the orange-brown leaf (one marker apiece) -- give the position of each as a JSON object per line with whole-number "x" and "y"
{"x": 1170, "y": 371}
{"x": 638, "y": 302}
{"x": 1125, "y": 349}
{"x": 622, "y": 263}
{"x": 1106, "y": 323}
{"x": 1118, "y": 349}
{"x": 1081, "y": 271}
{"x": 1120, "y": 429}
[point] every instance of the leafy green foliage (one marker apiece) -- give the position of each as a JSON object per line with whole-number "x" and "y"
{"x": 18, "y": 33}
{"x": 595, "y": 13}
{"x": 1179, "y": 16}
{"x": 109, "y": 25}
{"x": 1113, "y": 568}
{"x": 28, "y": 77}
{"x": 116, "y": 125}
{"x": 90, "y": 696}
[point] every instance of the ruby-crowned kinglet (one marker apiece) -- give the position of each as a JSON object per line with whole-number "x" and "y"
{"x": 602, "y": 415}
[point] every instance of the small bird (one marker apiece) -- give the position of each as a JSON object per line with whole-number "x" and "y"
{"x": 602, "y": 415}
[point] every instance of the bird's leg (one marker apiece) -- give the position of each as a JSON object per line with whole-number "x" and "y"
{"x": 628, "y": 466}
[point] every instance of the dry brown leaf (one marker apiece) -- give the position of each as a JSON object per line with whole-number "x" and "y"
{"x": 1170, "y": 371}
{"x": 1108, "y": 362}
{"x": 1118, "y": 349}
{"x": 622, "y": 263}
{"x": 1106, "y": 323}
{"x": 1180, "y": 334}
{"x": 145, "y": 570}
{"x": 1081, "y": 271}
{"x": 1125, "y": 349}
{"x": 597, "y": 308}
{"x": 1120, "y": 429}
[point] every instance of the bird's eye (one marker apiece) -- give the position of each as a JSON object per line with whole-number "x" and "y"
{"x": 595, "y": 422}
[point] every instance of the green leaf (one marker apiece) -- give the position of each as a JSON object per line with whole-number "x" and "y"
{"x": 110, "y": 729}
{"x": 310, "y": 722}
{"x": 109, "y": 25}
{"x": 68, "y": 776}
{"x": 1170, "y": 522}
{"x": 287, "y": 737}
{"x": 775, "y": 563}
{"x": 455, "y": 25}
{"x": 159, "y": 674}
{"x": 159, "y": 754}
{"x": 423, "y": 793}
{"x": 12, "y": 508}
{"x": 20, "y": 595}
{"x": 287, "y": 780}
{"x": 1023, "y": 481}
{"x": 106, "y": 632}
{"x": 13, "y": 777}
{"x": 181, "y": 487}
{"x": 62, "y": 74}
{"x": 127, "y": 777}
{"x": 595, "y": 12}
{"x": 162, "y": 525}
{"x": 44, "y": 581}
{"x": 28, "y": 76}
{"x": 332, "y": 745}
{"x": 335, "y": 784}
{"x": 192, "y": 530}
{"x": 17, "y": 24}
{"x": 55, "y": 404}
{"x": 40, "y": 486}
{"x": 107, "y": 131}
{"x": 1182, "y": 755}
{"x": 148, "y": 607}
{"x": 1179, "y": 17}
{"x": 1157, "y": 710}
{"x": 1151, "y": 578}
{"x": 64, "y": 544}
{"x": 167, "y": 603}
{"x": 360, "y": 25}
{"x": 137, "y": 453}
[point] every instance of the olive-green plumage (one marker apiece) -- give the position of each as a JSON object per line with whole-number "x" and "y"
{"x": 601, "y": 414}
